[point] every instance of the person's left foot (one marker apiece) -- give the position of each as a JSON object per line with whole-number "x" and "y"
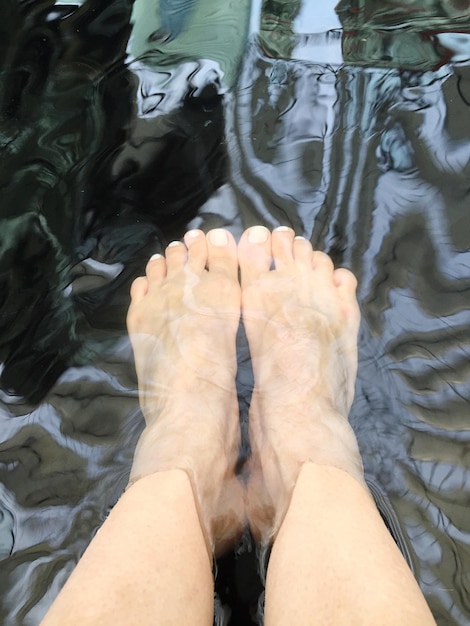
{"x": 182, "y": 321}
{"x": 301, "y": 319}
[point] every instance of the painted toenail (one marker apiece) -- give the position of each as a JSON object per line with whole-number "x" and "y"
{"x": 258, "y": 234}
{"x": 173, "y": 244}
{"x": 218, "y": 237}
{"x": 154, "y": 257}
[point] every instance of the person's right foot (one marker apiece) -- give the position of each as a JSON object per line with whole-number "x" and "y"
{"x": 182, "y": 322}
{"x": 301, "y": 320}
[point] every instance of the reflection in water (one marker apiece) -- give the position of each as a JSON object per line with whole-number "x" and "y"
{"x": 412, "y": 35}
{"x": 120, "y": 127}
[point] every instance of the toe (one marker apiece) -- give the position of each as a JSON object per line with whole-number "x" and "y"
{"x": 254, "y": 254}
{"x": 303, "y": 253}
{"x": 323, "y": 263}
{"x": 281, "y": 246}
{"x": 195, "y": 241}
{"x": 346, "y": 285}
{"x": 155, "y": 270}
{"x": 139, "y": 288}
{"x": 346, "y": 282}
{"x": 176, "y": 254}
{"x": 222, "y": 252}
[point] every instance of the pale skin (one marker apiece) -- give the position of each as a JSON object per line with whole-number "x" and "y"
{"x": 151, "y": 561}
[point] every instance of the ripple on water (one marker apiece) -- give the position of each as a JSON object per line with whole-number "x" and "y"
{"x": 120, "y": 126}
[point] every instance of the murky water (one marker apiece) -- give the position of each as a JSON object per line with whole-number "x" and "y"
{"x": 122, "y": 125}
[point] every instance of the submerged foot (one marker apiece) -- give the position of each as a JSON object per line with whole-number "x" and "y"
{"x": 301, "y": 320}
{"x": 182, "y": 322}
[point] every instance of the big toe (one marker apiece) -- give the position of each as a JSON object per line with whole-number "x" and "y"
{"x": 254, "y": 254}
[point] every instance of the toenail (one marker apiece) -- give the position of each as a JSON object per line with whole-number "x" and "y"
{"x": 282, "y": 229}
{"x": 193, "y": 234}
{"x": 300, "y": 238}
{"x": 258, "y": 234}
{"x": 218, "y": 237}
{"x": 154, "y": 257}
{"x": 173, "y": 244}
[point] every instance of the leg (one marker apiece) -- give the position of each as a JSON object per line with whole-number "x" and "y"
{"x": 342, "y": 565}
{"x": 151, "y": 561}
{"x": 333, "y": 561}
{"x": 148, "y": 564}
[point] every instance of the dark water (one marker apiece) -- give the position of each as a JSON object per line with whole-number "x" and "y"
{"x": 120, "y": 127}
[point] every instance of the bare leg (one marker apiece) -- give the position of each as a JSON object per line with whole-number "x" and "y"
{"x": 151, "y": 561}
{"x": 148, "y": 564}
{"x": 333, "y": 561}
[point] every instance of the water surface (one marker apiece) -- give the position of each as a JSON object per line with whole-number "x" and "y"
{"x": 123, "y": 124}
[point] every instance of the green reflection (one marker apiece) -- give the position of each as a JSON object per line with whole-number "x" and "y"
{"x": 403, "y": 35}
{"x": 393, "y": 34}
{"x": 165, "y": 34}
{"x": 277, "y": 36}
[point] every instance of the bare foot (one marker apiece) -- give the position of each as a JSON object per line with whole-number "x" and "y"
{"x": 182, "y": 322}
{"x": 301, "y": 321}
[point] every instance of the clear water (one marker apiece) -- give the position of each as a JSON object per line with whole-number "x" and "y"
{"x": 122, "y": 125}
